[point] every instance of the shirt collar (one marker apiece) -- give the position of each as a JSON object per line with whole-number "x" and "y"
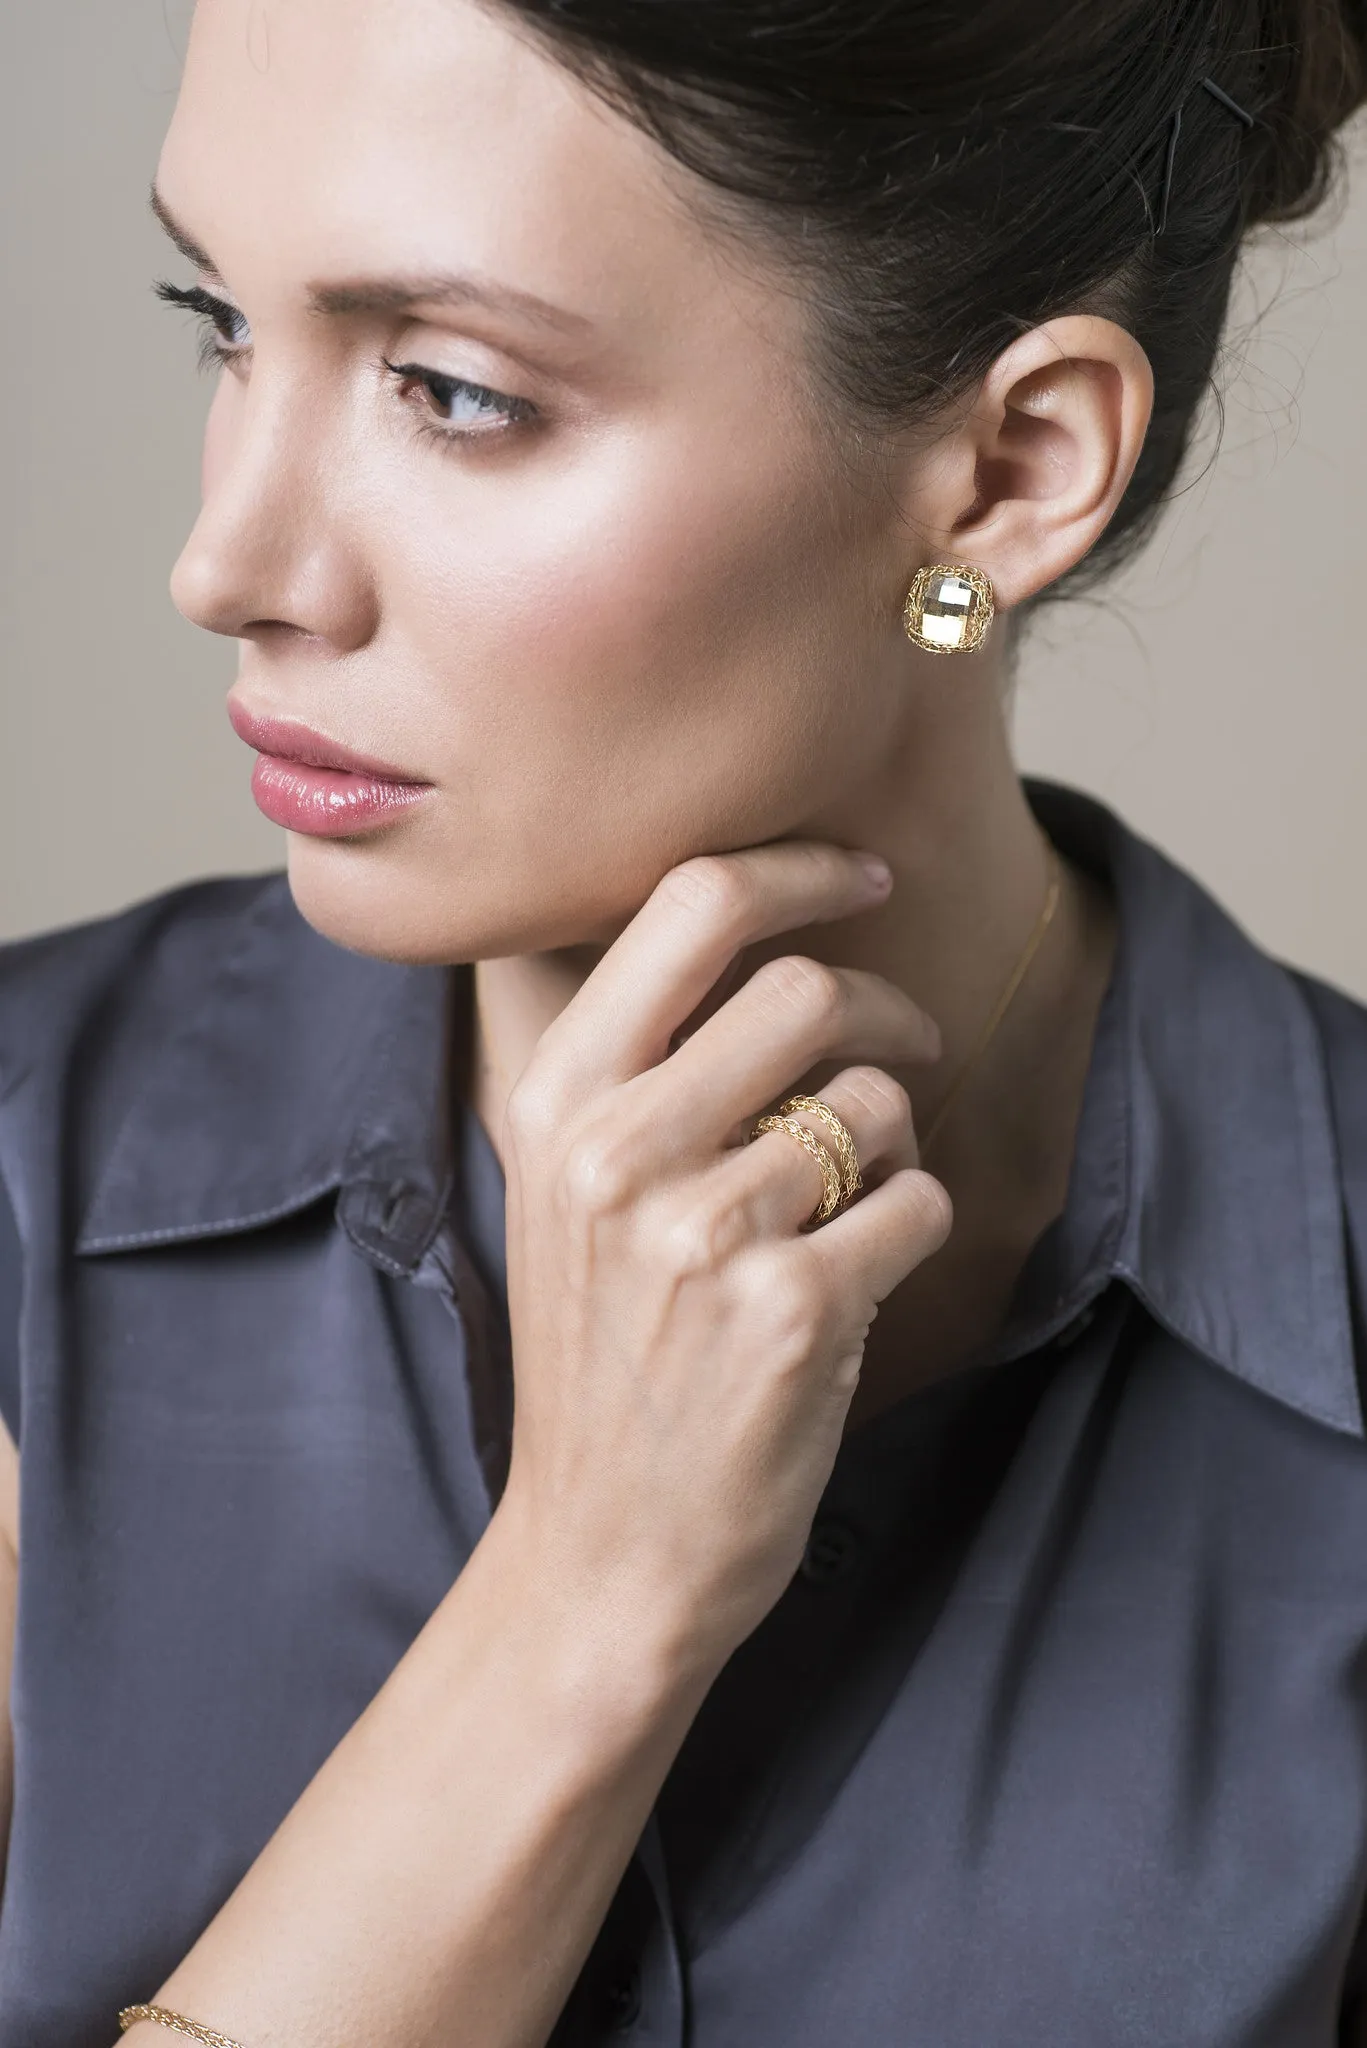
{"x": 1205, "y": 1174}
{"x": 1206, "y": 1170}
{"x": 303, "y": 1070}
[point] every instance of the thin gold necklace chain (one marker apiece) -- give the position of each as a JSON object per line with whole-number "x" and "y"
{"x": 1004, "y": 1000}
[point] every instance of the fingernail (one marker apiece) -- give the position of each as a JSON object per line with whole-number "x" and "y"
{"x": 877, "y": 870}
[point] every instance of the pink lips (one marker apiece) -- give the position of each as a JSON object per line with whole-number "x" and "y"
{"x": 310, "y": 784}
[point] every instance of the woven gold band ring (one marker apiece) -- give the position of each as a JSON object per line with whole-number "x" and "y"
{"x": 840, "y": 1178}
{"x": 176, "y": 2023}
{"x": 847, "y": 1159}
{"x": 813, "y": 1147}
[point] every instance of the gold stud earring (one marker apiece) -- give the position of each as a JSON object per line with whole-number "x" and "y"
{"x": 949, "y": 608}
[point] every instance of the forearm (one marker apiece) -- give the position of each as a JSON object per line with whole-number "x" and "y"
{"x": 443, "y": 1876}
{"x": 685, "y": 1354}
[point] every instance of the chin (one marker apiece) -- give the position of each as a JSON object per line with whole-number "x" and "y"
{"x": 401, "y": 902}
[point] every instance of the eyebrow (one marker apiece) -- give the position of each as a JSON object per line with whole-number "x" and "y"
{"x": 395, "y": 294}
{"x": 188, "y": 247}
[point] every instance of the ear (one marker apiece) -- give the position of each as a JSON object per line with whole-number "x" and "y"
{"x": 1026, "y": 481}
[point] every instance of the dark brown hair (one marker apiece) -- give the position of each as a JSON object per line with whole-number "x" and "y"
{"x": 950, "y": 173}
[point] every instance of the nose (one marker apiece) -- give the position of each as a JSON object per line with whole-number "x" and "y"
{"x": 270, "y": 549}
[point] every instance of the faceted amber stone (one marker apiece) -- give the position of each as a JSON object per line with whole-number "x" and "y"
{"x": 949, "y": 606}
{"x": 946, "y": 609}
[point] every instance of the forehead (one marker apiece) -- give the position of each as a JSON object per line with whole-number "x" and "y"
{"x": 336, "y": 136}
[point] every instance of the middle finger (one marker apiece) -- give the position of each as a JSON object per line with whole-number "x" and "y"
{"x": 791, "y": 1015}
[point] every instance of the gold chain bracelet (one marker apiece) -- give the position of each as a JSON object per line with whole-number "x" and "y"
{"x": 161, "y": 2016}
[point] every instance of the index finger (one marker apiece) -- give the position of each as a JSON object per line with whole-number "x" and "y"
{"x": 687, "y": 933}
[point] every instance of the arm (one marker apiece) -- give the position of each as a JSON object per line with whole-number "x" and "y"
{"x": 684, "y": 1357}
{"x": 444, "y": 1875}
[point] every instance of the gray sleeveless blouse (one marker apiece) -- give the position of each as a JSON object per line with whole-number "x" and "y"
{"x": 1059, "y": 1735}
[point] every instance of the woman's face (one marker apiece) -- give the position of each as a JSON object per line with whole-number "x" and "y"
{"x": 515, "y": 481}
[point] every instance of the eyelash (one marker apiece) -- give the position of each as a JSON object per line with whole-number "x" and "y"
{"x": 511, "y": 412}
{"x": 214, "y": 315}
{"x": 217, "y": 350}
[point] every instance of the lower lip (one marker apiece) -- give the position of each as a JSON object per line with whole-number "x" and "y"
{"x": 329, "y": 803}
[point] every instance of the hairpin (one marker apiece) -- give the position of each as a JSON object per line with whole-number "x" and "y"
{"x": 1216, "y": 92}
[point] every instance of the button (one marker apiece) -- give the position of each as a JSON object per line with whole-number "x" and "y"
{"x": 622, "y": 2001}
{"x": 832, "y": 1552}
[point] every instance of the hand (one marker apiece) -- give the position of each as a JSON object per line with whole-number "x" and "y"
{"x": 684, "y": 1358}
{"x": 685, "y": 1353}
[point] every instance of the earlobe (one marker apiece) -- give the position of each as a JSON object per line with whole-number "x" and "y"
{"x": 1057, "y": 429}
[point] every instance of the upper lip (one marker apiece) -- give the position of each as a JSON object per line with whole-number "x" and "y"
{"x": 285, "y": 740}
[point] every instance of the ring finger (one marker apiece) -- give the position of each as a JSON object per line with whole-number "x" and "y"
{"x": 782, "y": 1184}
{"x": 792, "y": 1016}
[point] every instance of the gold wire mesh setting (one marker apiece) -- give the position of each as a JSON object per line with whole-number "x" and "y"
{"x": 813, "y": 1147}
{"x": 949, "y": 608}
{"x": 846, "y": 1157}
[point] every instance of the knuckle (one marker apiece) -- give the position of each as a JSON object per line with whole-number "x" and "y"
{"x": 818, "y": 991}
{"x": 599, "y": 1173}
{"x": 709, "y": 887}
{"x": 790, "y": 1302}
{"x": 532, "y": 1112}
{"x": 700, "y": 1239}
{"x": 932, "y": 1212}
{"x": 878, "y": 1095}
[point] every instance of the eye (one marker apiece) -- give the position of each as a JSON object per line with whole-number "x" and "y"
{"x": 455, "y": 408}
{"x": 224, "y": 332}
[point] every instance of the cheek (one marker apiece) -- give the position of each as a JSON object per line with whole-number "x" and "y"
{"x": 631, "y": 608}
{"x": 604, "y": 673}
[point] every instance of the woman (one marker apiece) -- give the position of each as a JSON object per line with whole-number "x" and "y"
{"x": 629, "y": 416}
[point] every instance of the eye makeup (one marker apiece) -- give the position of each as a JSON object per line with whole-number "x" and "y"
{"x": 223, "y": 329}
{"x": 457, "y": 407}
{"x": 447, "y": 407}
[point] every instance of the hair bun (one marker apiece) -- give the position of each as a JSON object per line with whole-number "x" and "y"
{"x": 1315, "y": 54}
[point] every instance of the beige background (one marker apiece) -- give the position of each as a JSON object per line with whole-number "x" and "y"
{"x": 1218, "y": 696}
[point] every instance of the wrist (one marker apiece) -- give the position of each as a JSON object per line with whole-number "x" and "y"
{"x": 615, "y": 1659}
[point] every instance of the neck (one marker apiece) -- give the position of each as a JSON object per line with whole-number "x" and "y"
{"x": 947, "y": 811}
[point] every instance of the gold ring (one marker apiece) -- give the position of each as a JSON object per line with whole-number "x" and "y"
{"x": 813, "y": 1147}
{"x": 846, "y": 1157}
